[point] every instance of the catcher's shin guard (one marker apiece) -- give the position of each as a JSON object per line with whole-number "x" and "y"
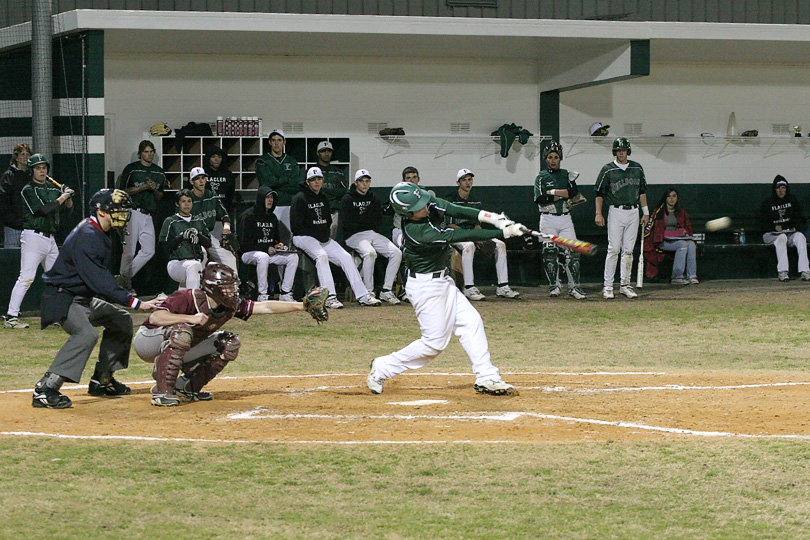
{"x": 228, "y": 345}
{"x": 572, "y": 268}
{"x": 170, "y": 360}
{"x": 550, "y": 264}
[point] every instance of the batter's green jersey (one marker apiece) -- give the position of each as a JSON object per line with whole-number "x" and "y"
{"x": 208, "y": 208}
{"x": 621, "y": 186}
{"x": 137, "y": 174}
{"x": 547, "y": 180}
{"x": 173, "y": 226}
{"x": 469, "y": 202}
{"x": 282, "y": 175}
{"x": 334, "y": 185}
{"x": 427, "y": 241}
{"x": 34, "y": 197}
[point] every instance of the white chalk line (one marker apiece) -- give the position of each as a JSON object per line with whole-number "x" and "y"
{"x": 653, "y": 388}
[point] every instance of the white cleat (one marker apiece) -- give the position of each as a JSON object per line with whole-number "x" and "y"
{"x": 375, "y": 382}
{"x": 333, "y": 303}
{"x": 286, "y": 297}
{"x": 783, "y": 276}
{"x": 628, "y": 291}
{"x": 506, "y": 292}
{"x": 607, "y": 293}
{"x": 554, "y": 291}
{"x": 263, "y": 298}
{"x": 391, "y": 298}
{"x": 577, "y": 293}
{"x": 495, "y": 387}
{"x": 473, "y": 294}
{"x": 13, "y": 322}
{"x": 368, "y": 300}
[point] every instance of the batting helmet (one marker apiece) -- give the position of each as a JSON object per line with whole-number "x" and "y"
{"x": 221, "y": 283}
{"x": 406, "y": 198}
{"x": 115, "y": 202}
{"x": 38, "y": 159}
{"x": 621, "y": 143}
{"x": 553, "y": 146}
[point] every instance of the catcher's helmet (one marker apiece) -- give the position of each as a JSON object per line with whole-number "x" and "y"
{"x": 553, "y": 146}
{"x": 406, "y": 198}
{"x": 115, "y": 202}
{"x": 37, "y": 159}
{"x": 621, "y": 143}
{"x": 221, "y": 283}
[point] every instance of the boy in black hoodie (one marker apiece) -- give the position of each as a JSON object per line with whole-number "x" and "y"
{"x": 261, "y": 245}
{"x": 310, "y": 221}
{"x": 361, "y": 216}
{"x": 780, "y": 216}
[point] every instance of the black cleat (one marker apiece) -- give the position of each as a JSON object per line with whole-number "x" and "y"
{"x": 48, "y": 398}
{"x": 183, "y": 388}
{"x": 110, "y": 389}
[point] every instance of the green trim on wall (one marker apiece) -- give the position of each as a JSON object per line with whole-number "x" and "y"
{"x": 640, "y": 58}
{"x": 95, "y": 64}
{"x": 550, "y": 114}
{"x": 62, "y": 126}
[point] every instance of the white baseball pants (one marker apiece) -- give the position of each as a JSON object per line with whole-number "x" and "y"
{"x": 622, "y": 228}
{"x": 263, "y": 260}
{"x": 781, "y": 243}
{"x": 558, "y": 225}
{"x": 467, "y": 250}
{"x": 187, "y": 273}
{"x": 396, "y": 236}
{"x": 441, "y": 310}
{"x": 323, "y": 254}
{"x": 35, "y": 249}
{"x": 217, "y": 253}
{"x": 368, "y": 244}
{"x": 140, "y": 230}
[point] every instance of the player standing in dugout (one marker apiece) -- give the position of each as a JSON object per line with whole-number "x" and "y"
{"x": 622, "y": 186}
{"x": 208, "y": 208}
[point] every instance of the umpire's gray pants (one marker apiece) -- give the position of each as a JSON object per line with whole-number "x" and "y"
{"x": 83, "y": 316}
{"x": 150, "y": 342}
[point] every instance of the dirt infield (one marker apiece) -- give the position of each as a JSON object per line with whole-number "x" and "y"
{"x": 427, "y": 407}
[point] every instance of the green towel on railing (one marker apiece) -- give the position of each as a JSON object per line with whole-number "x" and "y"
{"x": 508, "y": 133}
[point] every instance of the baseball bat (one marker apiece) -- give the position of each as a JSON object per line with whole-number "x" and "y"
{"x": 586, "y": 248}
{"x": 54, "y": 182}
{"x": 640, "y": 270}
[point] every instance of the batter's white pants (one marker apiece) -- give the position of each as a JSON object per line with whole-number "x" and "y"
{"x": 263, "y": 260}
{"x": 467, "y": 250}
{"x": 622, "y": 228}
{"x": 35, "y": 249}
{"x": 396, "y": 237}
{"x": 325, "y": 252}
{"x": 187, "y": 273}
{"x": 442, "y": 310}
{"x": 368, "y": 244}
{"x": 140, "y": 230}
{"x": 781, "y": 243}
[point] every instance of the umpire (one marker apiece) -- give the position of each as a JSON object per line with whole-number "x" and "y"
{"x": 74, "y": 284}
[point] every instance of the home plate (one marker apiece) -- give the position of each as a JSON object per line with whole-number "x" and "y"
{"x": 420, "y": 402}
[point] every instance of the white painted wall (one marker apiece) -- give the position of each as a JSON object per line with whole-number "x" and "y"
{"x": 336, "y": 97}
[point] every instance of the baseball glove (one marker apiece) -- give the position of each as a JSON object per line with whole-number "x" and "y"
{"x": 315, "y": 304}
{"x": 487, "y": 247}
{"x": 576, "y": 200}
{"x": 230, "y": 243}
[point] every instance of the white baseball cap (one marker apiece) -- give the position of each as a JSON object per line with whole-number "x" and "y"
{"x": 463, "y": 172}
{"x": 596, "y": 126}
{"x": 324, "y": 145}
{"x": 277, "y": 132}
{"x": 314, "y": 172}
{"x": 361, "y": 173}
{"x": 197, "y": 171}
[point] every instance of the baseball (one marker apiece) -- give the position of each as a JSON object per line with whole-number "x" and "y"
{"x": 718, "y": 224}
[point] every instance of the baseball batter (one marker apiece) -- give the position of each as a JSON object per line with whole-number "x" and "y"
{"x": 184, "y": 237}
{"x": 42, "y": 203}
{"x": 145, "y": 182}
{"x": 552, "y": 188}
{"x": 622, "y": 186}
{"x": 441, "y": 308}
{"x": 207, "y": 207}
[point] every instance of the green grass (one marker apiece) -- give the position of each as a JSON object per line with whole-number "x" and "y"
{"x": 672, "y": 488}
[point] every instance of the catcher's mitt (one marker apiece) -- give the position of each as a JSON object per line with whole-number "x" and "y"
{"x": 487, "y": 247}
{"x": 160, "y": 130}
{"x": 230, "y": 243}
{"x": 315, "y": 303}
{"x": 576, "y": 200}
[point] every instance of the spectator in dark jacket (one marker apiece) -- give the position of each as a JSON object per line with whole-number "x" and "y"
{"x": 780, "y": 218}
{"x": 261, "y": 244}
{"x": 11, "y": 183}
{"x": 361, "y": 217}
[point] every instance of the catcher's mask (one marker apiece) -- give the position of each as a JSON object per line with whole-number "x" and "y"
{"x": 116, "y": 202}
{"x": 407, "y": 198}
{"x": 221, "y": 283}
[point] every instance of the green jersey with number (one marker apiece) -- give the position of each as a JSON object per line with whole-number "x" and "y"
{"x": 547, "y": 180}
{"x": 137, "y": 174}
{"x": 334, "y": 185}
{"x": 34, "y": 197}
{"x": 282, "y": 175}
{"x": 621, "y": 186}
{"x": 173, "y": 226}
{"x": 427, "y": 241}
{"x": 208, "y": 208}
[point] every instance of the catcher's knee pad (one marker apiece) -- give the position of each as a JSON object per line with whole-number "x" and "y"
{"x": 179, "y": 337}
{"x": 227, "y": 344}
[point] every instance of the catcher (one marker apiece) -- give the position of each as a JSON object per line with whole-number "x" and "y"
{"x": 209, "y": 209}
{"x": 183, "y": 335}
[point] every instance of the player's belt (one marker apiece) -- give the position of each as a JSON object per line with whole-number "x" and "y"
{"x": 435, "y": 275}
{"x": 625, "y": 206}
{"x": 553, "y": 214}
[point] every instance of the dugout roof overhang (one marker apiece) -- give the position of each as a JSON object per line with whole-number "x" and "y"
{"x": 563, "y": 42}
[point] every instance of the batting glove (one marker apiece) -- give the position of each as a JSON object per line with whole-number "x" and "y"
{"x": 491, "y": 218}
{"x": 68, "y": 192}
{"x": 515, "y": 229}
